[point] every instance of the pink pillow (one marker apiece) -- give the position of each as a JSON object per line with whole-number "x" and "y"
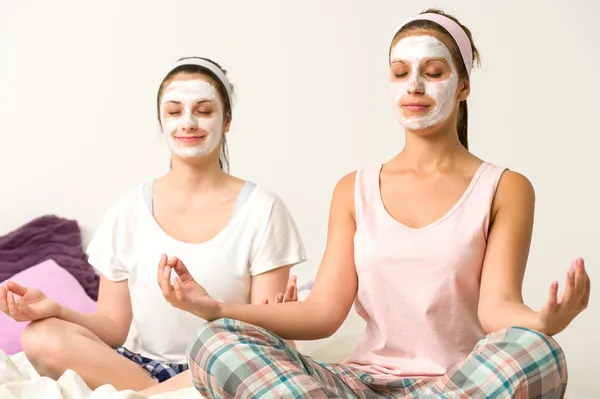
{"x": 56, "y": 283}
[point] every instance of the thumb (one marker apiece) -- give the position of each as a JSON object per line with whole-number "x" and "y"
{"x": 25, "y": 309}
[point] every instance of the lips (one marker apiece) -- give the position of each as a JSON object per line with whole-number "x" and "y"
{"x": 415, "y": 107}
{"x": 189, "y": 139}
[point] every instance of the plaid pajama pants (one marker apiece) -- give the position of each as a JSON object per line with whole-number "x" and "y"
{"x": 231, "y": 359}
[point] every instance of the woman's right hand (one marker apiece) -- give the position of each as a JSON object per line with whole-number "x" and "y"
{"x": 183, "y": 292}
{"x": 26, "y": 304}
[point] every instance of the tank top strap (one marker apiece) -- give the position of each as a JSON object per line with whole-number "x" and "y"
{"x": 366, "y": 192}
{"x": 484, "y": 191}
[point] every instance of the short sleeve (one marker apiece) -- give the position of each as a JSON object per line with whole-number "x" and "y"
{"x": 110, "y": 240}
{"x": 280, "y": 244}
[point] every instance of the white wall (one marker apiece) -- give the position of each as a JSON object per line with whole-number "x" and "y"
{"x": 78, "y": 82}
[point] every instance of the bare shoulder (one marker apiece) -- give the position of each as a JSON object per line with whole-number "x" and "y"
{"x": 515, "y": 184}
{"x": 344, "y": 189}
{"x": 343, "y": 195}
{"x": 514, "y": 189}
{"x": 346, "y": 183}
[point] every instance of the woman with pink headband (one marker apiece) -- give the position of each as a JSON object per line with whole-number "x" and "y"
{"x": 432, "y": 247}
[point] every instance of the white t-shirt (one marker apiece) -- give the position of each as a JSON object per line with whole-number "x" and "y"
{"x": 261, "y": 236}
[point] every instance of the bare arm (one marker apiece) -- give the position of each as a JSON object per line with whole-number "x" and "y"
{"x": 112, "y": 320}
{"x": 319, "y": 316}
{"x": 269, "y": 285}
{"x": 331, "y": 298}
{"x": 501, "y": 302}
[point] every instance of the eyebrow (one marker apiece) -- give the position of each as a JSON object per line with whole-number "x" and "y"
{"x": 427, "y": 61}
{"x": 434, "y": 59}
{"x": 197, "y": 102}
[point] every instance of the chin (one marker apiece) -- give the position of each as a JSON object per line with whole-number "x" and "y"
{"x": 420, "y": 129}
{"x": 426, "y": 126}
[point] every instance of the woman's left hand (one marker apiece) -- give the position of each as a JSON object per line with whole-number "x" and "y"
{"x": 558, "y": 312}
{"x": 290, "y": 295}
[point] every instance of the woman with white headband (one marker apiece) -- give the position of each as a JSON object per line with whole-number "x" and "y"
{"x": 236, "y": 237}
{"x": 432, "y": 245}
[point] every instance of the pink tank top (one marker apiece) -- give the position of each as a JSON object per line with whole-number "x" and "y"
{"x": 418, "y": 289}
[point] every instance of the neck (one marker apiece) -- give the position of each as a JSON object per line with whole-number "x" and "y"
{"x": 431, "y": 151}
{"x": 195, "y": 175}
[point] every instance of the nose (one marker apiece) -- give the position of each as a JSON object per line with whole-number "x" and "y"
{"x": 416, "y": 84}
{"x": 188, "y": 124}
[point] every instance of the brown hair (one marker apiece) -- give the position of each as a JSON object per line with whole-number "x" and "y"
{"x": 456, "y": 56}
{"x": 219, "y": 85}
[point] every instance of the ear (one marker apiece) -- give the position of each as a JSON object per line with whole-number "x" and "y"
{"x": 464, "y": 90}
{"x": 227, "y": 123}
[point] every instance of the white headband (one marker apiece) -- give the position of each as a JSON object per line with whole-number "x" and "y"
{"x": 201, "y": 62}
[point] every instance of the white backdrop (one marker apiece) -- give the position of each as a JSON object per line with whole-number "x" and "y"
{"x": 78, "y": 82}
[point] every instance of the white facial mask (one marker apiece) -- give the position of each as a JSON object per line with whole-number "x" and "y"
{"x": 414, "y": 49}
{"x": 188, "y": 93}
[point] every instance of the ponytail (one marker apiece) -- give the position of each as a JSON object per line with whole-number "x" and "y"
{"x": 463, "y": 119}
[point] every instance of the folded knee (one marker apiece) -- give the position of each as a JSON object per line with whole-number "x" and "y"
{"x": 215, "y": 333}
{"x": 44, "y": 341}
{"x": 226, "y": 330}
{"x": 531, "y": 339}
{"x": 535, "y": 351}
{"x": 219, "y": 337}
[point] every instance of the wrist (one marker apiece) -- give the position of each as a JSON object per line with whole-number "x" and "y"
{"x": 59, "y": 311}
{"x": 540, "y": 325}
{"x": 222, "y": 310}
{"x": 216, "y": 311}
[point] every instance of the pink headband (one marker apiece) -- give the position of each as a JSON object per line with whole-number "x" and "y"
{"x": 457, "y": 33}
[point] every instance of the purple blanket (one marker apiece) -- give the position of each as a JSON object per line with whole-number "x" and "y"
{"x": 47, "y": 237}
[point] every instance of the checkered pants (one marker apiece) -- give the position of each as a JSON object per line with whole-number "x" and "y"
{"x": 231, "y": 359}
{"x": 159, "y": 371}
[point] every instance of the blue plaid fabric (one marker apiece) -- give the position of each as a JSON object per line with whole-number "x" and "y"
{"x": 158, "y": 371}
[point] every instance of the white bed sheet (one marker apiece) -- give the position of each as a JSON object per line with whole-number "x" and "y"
{"x": 18, "y": 380}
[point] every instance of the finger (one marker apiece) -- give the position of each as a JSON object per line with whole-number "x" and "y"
{"x": 580, "y": 276}
{"x": 289, "y": 292}
{"x": 3, "y": 302}
{"x": 162, "y": 263}
{"x": 177, "y": 288}
{"x": 295, "y": 296}
{"x": 12, "y": 307}
{"x": 552, "y": 296}
{"x": 289, "y": 289}
{"x": 165, "y": 286}
{"x": 586, "y": 296}
{"x": 181, "y": 270}
{"x": 16, "y": 288}
{"x": 279, "y": 298}
{"x": 568, "y": 295}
